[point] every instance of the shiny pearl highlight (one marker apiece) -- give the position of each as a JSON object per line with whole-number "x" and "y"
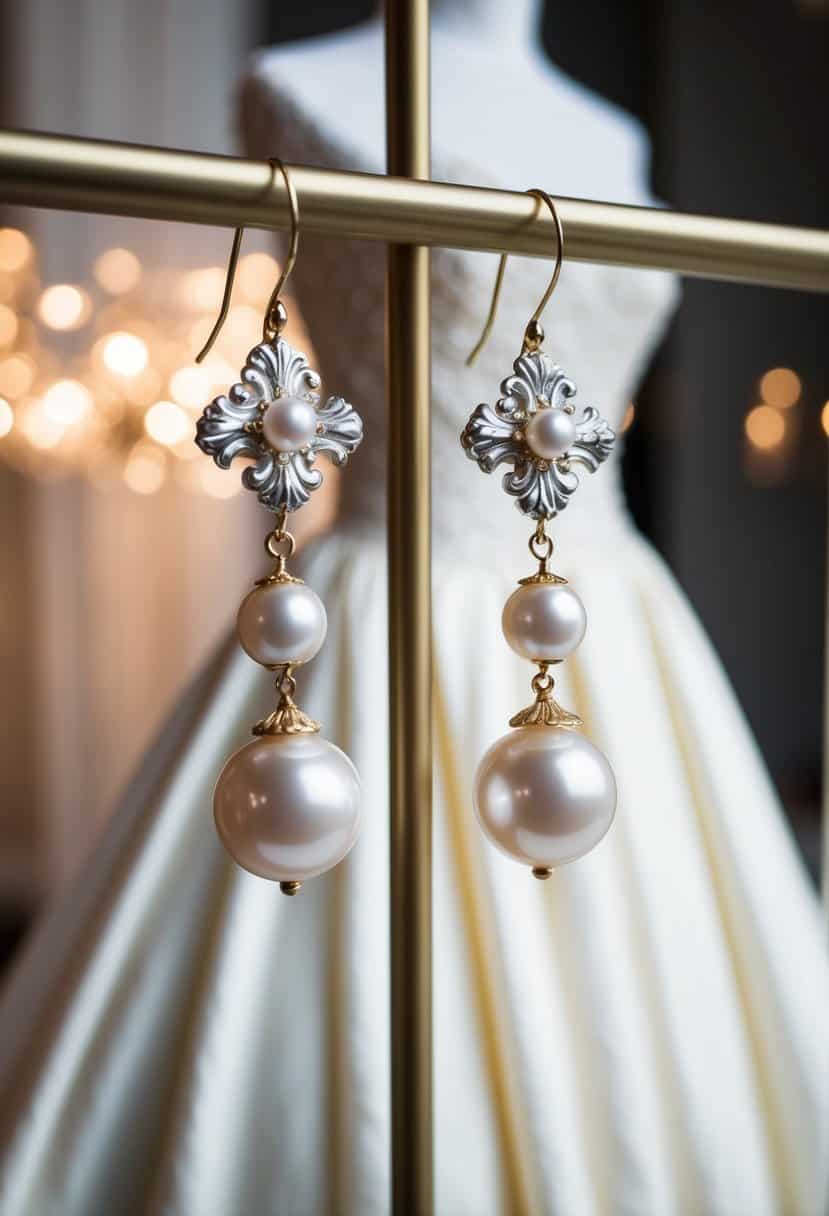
{"x": 544, "y": 621}
{"x": 550, "y": 433}
{"x": 544, "y": 795}
{"x": 281, "y": 623}
{"x": 287, "y": 807}
{"x": 289, "y": 424}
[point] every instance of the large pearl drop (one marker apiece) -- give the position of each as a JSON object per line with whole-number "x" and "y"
{"x": 289, "y": 423}
{"x": 282, "y": 623}
{"x": 287, "y": 807}
{"x": 550, "y": 433}
{"x": 544, "y": 621}
{"x": 544, "y": 795}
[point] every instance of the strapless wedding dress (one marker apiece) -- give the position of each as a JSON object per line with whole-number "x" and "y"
{"x": 644, "y": 1034}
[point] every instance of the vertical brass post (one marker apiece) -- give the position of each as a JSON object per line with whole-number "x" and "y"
{"x": 824, "y": 870}
{"x": 410, "y": 632}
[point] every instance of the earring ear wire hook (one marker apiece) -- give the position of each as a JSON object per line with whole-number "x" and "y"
{"x": 273, "y": 322}
{"x": 533, "y": 334}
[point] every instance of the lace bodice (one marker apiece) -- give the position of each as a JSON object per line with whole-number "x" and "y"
{"x": 602, "y": 324}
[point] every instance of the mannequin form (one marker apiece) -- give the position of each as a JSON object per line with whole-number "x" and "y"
{"x": 639, "y": 1036}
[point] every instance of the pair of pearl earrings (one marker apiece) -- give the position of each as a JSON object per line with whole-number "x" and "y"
{"x": 287, "y": 805}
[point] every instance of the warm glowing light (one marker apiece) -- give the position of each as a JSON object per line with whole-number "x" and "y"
{"x": 627, "y": 421}
{"x": 117, "y": 271}
{"x": 15, "y": 250}
{"x": 202, "y": 289}
{"x": 145, "y": 469}
{"x": 67, "y": 402}
{"x": 167, "y": 423}
{"x": 41, "y": 431}
{"x": 222, "y": 374}
{"x": 144, "y": 388}
{"x": 63, "y": 307}
{"x": 765, "y": 427}
{"x": 17, "y": 374}
{"x": 824, "y": 417}
{"x": 256, "y": 276}
{"x": 780, "y": 387}
{"x": 125, "y": 354}
{"x": 6, "y": 417}
{"x": 218, "y": 483}
{"x": 191, "y": 386}
{"x": 243, "y": 324}
{"x": 9, "y": 325}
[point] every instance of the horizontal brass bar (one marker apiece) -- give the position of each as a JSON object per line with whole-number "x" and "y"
{"x": 61, "y": 172}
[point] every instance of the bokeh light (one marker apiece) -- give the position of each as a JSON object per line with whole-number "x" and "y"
{"x": 257, "y": 276}
{"x": 41, "y": 431}
{"x": 218, "y": 483}
{"x": 191, "y": 386}
{"x": 64, "y": 307}
{"x": 145, "y": 469}
{"x": 9, "y": 325}
{"x": 781, "y": 387}
{"x": 167, "y": 423}
{"x": 67, "y": 402}
{"x": 6, "y": 417}
{"x": 765, "y": 427}
{"x": 144, "y": 388}
{"x": 17, "y": 374}
{"x": 117, "y": 271}
{"x": 118, "y": 403}
{"x": 243, "y": 325}
{"x": 124, "y": 353}
{"x": 15, "y": 250}
{"x": 824, "y": 417}
{"x": 202, "y": 290}
{"x": 628, "y": 420}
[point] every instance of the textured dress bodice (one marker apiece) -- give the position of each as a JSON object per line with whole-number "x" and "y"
{"x": 602, "y": 325}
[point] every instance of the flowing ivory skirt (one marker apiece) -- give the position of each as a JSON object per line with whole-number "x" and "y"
{"x": 644, "y": 1034}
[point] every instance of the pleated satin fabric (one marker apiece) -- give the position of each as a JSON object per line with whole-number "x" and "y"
{"x": 644, "y": 1033}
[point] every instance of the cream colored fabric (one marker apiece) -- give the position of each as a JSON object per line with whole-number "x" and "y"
{"x": 181, "y": 1039}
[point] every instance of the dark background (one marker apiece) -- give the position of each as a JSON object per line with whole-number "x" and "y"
{"x": 734, "y": 97}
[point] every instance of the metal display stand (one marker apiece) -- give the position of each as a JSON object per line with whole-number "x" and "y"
{"x": 410, "y": 213}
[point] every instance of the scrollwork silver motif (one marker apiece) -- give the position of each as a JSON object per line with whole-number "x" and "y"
{"x": 496, "y": 435}
{"x": 231, "y": 426}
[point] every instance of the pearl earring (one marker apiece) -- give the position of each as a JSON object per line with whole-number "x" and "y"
{"x": 287, "y": 805}
{"x": 544, "y": 795}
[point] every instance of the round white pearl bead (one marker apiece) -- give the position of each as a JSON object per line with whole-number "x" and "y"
{"x": 287, "y": 807}
{"x": 550, "y": 433}
{"x": 544, "y": 795}
{"x": 281, "y": 623}
{"x": 289, "y": 423}
{"x": 544, "y": 621}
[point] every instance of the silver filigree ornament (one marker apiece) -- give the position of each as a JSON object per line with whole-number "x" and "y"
{"x": 236, "y": 425}
{"x": 542, "y": 478}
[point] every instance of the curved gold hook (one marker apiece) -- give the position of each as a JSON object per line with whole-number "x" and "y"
{"x": 271, "y": 325}
{"x": 532, "y": 340}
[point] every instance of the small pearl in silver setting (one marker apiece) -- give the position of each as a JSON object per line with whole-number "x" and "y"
{"x": 550, "y": 433}
{"x": 289, "y": 424}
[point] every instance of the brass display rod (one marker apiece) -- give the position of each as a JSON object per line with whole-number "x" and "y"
{"x": 126, "y": 179}
{"x": 408, "y": 370}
